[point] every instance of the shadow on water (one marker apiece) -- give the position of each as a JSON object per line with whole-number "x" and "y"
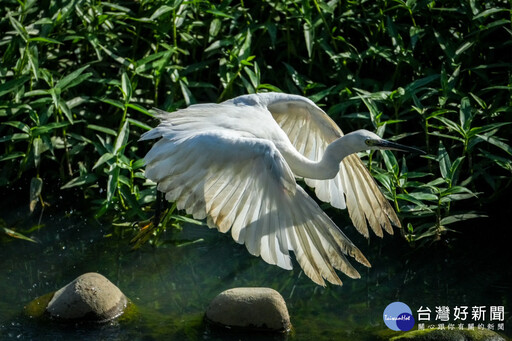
{"x": 171, "y": 286}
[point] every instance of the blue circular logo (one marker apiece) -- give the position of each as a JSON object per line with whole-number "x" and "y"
{"x": 398, "y": 316}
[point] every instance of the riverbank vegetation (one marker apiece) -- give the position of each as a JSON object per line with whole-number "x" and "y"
{"x": 79, "y": 79}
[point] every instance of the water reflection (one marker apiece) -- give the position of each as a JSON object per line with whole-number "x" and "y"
{"x": 173, "y": 285}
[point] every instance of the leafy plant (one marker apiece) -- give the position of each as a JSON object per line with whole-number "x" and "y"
{"x": 78, "y": 81}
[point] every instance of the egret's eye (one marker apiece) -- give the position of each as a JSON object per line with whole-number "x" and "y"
{"x": 368, "y": 142}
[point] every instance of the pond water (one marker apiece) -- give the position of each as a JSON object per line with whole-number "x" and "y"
{"x": 173, "y": 284}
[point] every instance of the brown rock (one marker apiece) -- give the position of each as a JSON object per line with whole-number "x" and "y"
{"x": 90, "y": 297}
{"x": 250, "y": 308}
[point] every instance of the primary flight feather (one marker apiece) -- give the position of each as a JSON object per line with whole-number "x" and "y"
{"x": 235, "y": 164}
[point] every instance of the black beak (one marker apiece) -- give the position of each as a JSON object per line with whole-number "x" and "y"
{"x": 384, "y": 144}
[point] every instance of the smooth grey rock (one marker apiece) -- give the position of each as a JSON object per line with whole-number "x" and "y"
{"x": 90, "y": 297}
{"x": 250, "y": 308}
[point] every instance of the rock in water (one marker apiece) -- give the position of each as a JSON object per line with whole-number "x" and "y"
{"x": 90, "y": 297}
{"x": 250, "y": 308}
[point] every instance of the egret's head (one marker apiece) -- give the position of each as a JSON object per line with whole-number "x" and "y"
{"x": 366, "y": 140}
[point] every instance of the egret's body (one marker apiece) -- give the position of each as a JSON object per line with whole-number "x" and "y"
{"x": 235, "y": 163}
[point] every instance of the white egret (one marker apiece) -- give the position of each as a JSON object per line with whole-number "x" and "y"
{"x": 235, "y": 164}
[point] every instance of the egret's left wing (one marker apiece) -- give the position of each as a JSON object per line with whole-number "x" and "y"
{"x": 244, "y": 184}
{"x": 311, "y": 130}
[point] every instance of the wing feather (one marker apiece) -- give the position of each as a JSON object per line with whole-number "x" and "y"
{"x": 245, "y": 185}
{"x": 311, "y": 130}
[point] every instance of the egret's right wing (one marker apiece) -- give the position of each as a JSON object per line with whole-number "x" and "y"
{"x": 311, "y": 130}
{"x": 244, "y": 184}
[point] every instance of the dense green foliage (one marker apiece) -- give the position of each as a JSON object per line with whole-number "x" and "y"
{"x": 78, "y": 79}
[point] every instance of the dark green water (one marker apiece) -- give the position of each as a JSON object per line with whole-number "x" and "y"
{"x": 172, "y": 285}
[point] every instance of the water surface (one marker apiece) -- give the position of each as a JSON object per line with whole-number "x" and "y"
{"x": 172, "y": 285}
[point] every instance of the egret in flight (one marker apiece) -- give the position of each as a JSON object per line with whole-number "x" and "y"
{"x": 236, "y": 163}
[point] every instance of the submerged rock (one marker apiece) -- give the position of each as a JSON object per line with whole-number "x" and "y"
{"x": 449, "y": 335}
{"x": 90, "y": 297}
{"x": 261, "y": 309}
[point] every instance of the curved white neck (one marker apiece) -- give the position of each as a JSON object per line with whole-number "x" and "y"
{"x": 323, "y": 169}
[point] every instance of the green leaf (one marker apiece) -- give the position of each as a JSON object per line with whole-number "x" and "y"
{"x": 126, "y": 86}
{"x": 497, "y": 143}
{"x": 503, "y": 162}
{"x": 410, "y": 198}
{"x": 253, "y": 77}
{"x": 439, "y": 112}
{"x": 220, "y": 13}
{"x": 140, "y": 109}
{"x": 309, "y": 38}
{"x": 424, "y": 196}
{"x": 456, "y": 197}
{"x": 488, "y": 127}
{"x": 121, "y": 60}
{"x": 11, "y": 156}
{"x": 63, "y": 106}
{"x": 463, "y": 48}
{"x": 390, "y": 161}
{"x": 139, "y": 124}
{"x": 454, "y": 170}
{"x": 113, "y": 176}
{"x": 154, "y": 61}
{"x": 245, "y": 49}
{"x": 122, "y": 138}
{"x": 480, "y": 101}
{"x": 456, "y": 138}
{"x": 14, "y": 137}
{"x": 372, "y": 108}
{"x": 37, "y": 131}
{"x": 17, "y": 235}
{"x": 218, "y": 44}
{"x": 490, "y": 11}
{"x": 465, "y": 113}
{"x": 319, "y": 96}
{"x": 186, "y": 219}
{"x": 138, "y": 164}
{"x": 104, "y": 158}
{"x": 13, "y": 84}
{"x": 452, "y": 125}
{"x": 444, "y": 45}
{"x": 385, "y": 180}
{"x": 435, "y": 183}
{"x": 70, "y": 79}
{"x": 419, "y": 83}
{"x": 44, "y": 40}
{"x": 185, "y": 91}
{"x": 122, "y": 9}
{"x": 161, "y": 11}
{"x": 102, "y": 129}
{"x": 18, "y": 27}
{"x": 132, "y": 202}
{"x": 17, "y": 124}
{"x": 444, "y": 161}
{"x": 413, "y": 175}
{"x": 36, "y": 185}
{"x": 117, "y": 104}
{"x": 38, "y": 149}
{"x": 78, "y": 80}
{"x": 215, "y": 27}
{"x": 84, "y": 179}
{"x": 461, "y": 217}
{"x": 269, "y": 87}
{"x": 456, "y": 190}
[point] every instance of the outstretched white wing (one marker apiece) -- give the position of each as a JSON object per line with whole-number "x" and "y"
{"x": 311, "y": 130}
{"x": 244, "y": 184}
